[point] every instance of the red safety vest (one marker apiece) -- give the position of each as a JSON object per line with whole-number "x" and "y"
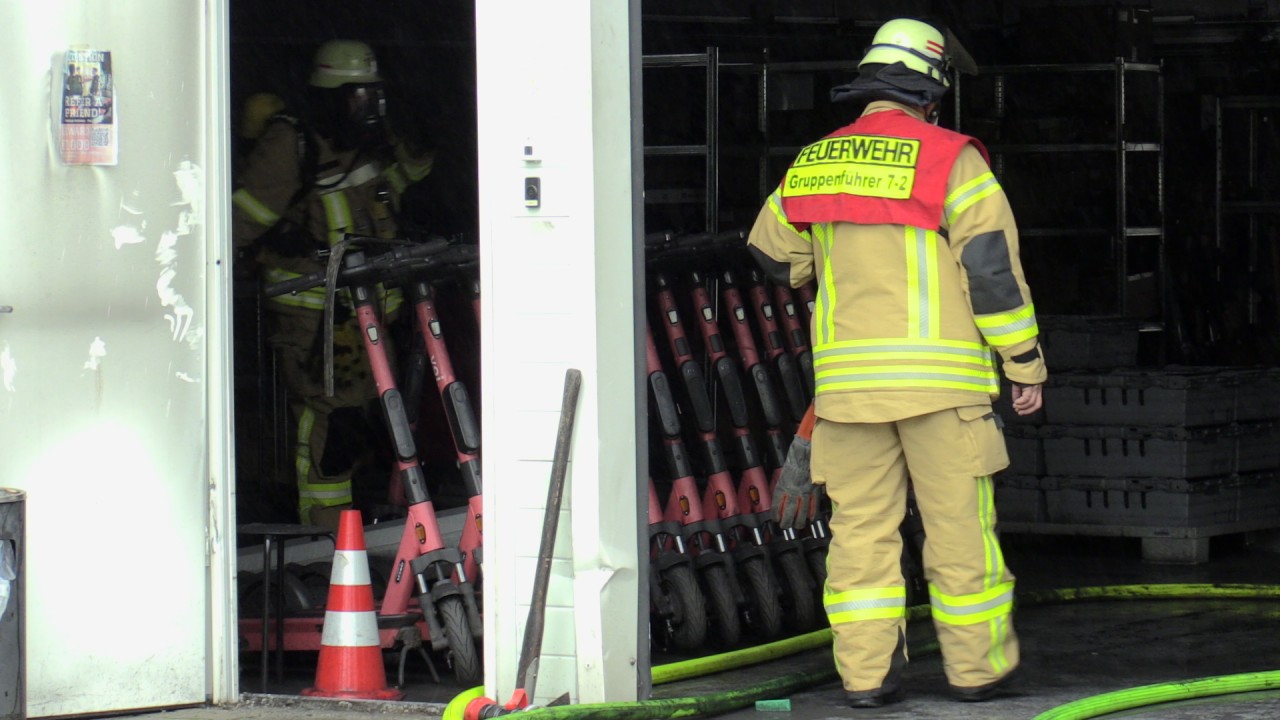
{"x": 886, "y": 167}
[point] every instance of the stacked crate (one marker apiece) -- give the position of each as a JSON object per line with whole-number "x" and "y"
{"x": 1173, "y": 455}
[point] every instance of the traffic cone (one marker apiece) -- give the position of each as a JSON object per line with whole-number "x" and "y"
{"x": 350, "y": 664}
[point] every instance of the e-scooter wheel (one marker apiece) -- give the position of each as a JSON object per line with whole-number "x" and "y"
{"x": 687, "y": 628}
{"x": 797, "y": 592}
{"x": 462, "y": 646}
{"x": 723, "y": 606}
{"x": 765, "y": 617}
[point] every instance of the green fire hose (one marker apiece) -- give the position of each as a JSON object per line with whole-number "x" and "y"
{"x": 783, "y": 685}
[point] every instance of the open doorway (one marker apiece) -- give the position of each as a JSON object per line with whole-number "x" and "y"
{"x": 412, "y": 186}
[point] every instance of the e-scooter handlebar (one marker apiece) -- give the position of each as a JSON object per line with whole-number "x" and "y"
{"x": 437, "y": 255}
{"x": 662, "y": 246}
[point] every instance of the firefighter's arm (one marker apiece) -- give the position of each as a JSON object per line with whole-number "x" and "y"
{"x": 984, "y": 238}
{"x": 267, "y": 184}
{"x": 784, "y": 253}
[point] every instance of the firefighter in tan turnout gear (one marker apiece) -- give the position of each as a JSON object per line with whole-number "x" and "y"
{"x": 920, "y": 292}
{"x": 307, "y": 183}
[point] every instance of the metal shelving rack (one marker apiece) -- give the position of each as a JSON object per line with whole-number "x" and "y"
{"x": 708, "y": 149}
{"x": 1252, "y": 208}
{"x": 1128, "y": 275}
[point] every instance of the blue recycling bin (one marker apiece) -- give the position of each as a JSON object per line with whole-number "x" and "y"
{"x": 13, "y": 641}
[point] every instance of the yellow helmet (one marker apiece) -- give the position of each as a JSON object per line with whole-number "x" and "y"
{"x": 339, "y": 62}
{"x": 920, "y": 47}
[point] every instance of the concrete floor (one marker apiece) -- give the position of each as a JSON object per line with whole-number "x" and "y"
{"x": 1070, "y": 651}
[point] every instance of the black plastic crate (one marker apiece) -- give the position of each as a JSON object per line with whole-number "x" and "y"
{"x": 1020, "y": 499}
{"x": 1173, "y": 452}
{"x": 1082, "y": 342}
{"x": 1163, "y": 503}
{"x": 1026, "y": 452}
{"x": 1178, "y": 396}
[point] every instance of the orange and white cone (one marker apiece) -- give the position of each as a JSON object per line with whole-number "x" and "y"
{"x": 350, "y": 664}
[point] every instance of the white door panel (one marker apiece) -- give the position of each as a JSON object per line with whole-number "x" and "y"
{"x": 104, "y": 360}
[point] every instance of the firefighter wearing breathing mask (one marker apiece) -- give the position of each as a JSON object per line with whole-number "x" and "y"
{"x": 308, "y": 182}
{"x": 920, "y": 293}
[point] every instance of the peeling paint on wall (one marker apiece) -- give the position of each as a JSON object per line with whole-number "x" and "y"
{"x": 8, "y": 368}
{"x": 190, "y": 181}
{"x": 178, "y": 313}
{"x": 97, "y": 351}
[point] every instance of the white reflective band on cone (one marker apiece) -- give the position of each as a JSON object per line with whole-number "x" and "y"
{"x": 350, "y": 567}
{"x": 350, "y": 629}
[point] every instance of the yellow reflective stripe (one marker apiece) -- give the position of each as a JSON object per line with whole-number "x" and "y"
{"x": 1011, "y": 328}
{"x": 914, "y": 284}
{"x": 935, "y": 299}
{"x": 825, "y": 305}
{"x": 971, "y": 609}
{"x": 880, "y": 349}
{"x": 326, "y": 493}
{"x": 994, "y": 563}
{"x": 302, "y": 455}
{"x": 312, "y": 298}
{"x": 924, "y": 314}
{"x": 994, "y": 570}
{"x": 254, "y": 208}
{"x": 391, "y": 299}
{"x": 774, "y": 203}
{"x": 337, "y": 213}
{"x": 307, "y": 300}
{"x": 866, "y": 604}
{"x": 906, "y": 375}
{"x": 396, "y": 177}
{"x": 969, "y": 193}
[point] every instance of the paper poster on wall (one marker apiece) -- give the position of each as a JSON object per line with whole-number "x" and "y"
{"x": 87, "y": 132}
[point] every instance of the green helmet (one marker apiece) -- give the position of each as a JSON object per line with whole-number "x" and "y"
{"x": 341, "y": 62}
{"x": 920, "y": 47}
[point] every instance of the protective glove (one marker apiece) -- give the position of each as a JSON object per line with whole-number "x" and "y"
{"x": 795, "y": 497}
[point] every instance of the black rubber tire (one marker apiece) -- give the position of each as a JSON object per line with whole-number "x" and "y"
{"x": 799, "y": 611}
{"x": 816, "y": 558}
{"x": 721, "y": 605}
{"x": 764, "y": 615}
{"x": 463, "y": 655}
{"x": 687, "y": 629}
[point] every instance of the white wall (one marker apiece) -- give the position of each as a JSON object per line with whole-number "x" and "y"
{"x": 559, "y": 286}
{"x": 111, "y": 355}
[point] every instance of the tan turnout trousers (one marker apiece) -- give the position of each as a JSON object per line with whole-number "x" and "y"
{"x": 949, "y": 457}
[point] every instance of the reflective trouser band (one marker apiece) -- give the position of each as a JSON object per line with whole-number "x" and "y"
{"x": 1009, "y": 328}
{"x": 315, "y": 494}
{"x": 869, "y": 604}
{"x": 325, "y": 494}
{"x": 972, "y": 609}
{"x": 302, "y": 454}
